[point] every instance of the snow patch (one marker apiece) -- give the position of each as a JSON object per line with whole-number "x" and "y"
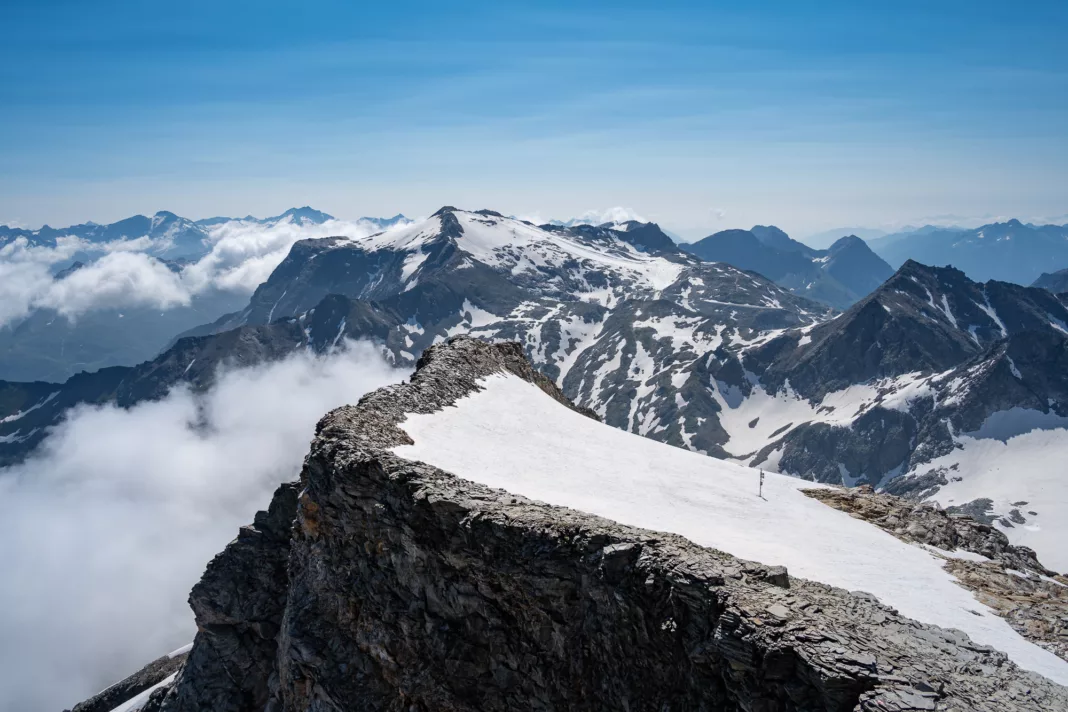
{"x": 22, "y": 413}
{"x": 511, "y": 435}
{"x": 134, "y": 704}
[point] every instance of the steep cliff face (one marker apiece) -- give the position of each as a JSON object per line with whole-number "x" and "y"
{"x": 408, "y": 588}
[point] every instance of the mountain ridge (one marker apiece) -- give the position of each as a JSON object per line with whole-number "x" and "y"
{"x": 1010, "y": 251}
{"x": 838, "y": 276}
{"x": 694, "y": 354}
{"x": 452, "y": 580}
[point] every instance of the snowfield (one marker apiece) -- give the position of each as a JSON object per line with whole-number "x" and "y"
{"x": 1025, "y": 472}
{"x": 512, "y": 436}
{"x": 515, "y": 246}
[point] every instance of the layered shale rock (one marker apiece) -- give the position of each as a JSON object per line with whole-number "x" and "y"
{"x": 410, "y": 589}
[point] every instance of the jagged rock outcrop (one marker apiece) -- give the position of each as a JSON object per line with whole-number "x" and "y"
{"x": 927, "y": 523}
{"x": 144, "y": 679}
{"x": 410, "y": 589}
{"x": 239, "y": 604}
{"x": 1032, "y": 598}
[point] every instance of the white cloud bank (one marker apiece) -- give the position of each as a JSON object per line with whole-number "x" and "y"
{"x": 124, "y": 275}
{"x": 111, "y": 524}
{"x": 616, "y": 216}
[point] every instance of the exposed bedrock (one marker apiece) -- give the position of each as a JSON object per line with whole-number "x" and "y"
{"x": 410, "y": 589}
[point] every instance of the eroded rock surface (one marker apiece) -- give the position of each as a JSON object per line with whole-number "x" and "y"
{"x": 1013, "y": 583}
{"x": 147, "y": 677}
{"x": 408, "y": 588}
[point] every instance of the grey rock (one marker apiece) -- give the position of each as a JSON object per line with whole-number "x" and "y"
{"x": 408, "y": 588}
{"x": 1014, "y": 584}
{"x": 238, "y": 605}
{"x": 148, "y": 676}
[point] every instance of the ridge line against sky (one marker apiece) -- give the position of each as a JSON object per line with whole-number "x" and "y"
{"x": 699, "y": 116}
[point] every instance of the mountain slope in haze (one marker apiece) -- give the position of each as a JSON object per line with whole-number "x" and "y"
{"x": 1056, "y": 282}
{"x": 53, "y": 342}
{"x": 1010, "y": 252}
{"x": 414, "y": 519}
{"x": 823, "y": 240}
{"x": 882, "y": 242}
{"x": 838, "y": 276}
{"x": 47, "y": 346}
{"x": 174, "y": 237}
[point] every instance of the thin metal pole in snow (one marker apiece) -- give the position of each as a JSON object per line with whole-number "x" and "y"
{"x": 760, "y": 493}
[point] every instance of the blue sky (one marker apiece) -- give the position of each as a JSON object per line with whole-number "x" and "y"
{"x": 699, "y": 115}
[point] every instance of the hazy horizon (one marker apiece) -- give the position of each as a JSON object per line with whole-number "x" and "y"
{"x": 617, "y": 213}
{"x": 697, "y": 117}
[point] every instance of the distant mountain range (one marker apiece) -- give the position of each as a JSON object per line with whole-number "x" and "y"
{"x": 923, "y": 387}
{"x": 823, "y": 240}
{"x": 1056, "y": 282}
{"x": 48, "y": 346}
{"x": 174, "y": 237}
{"x": 581, "y": 298}
{"x": 1010, "y": 251}
{"x": 838, "y": 276}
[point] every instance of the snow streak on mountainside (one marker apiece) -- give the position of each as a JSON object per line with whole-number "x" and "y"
{"x": 657, "y": 342}
{"x": 1016, "y": 483}
{"x": 513, "y": 436}
{"x": 619, "y": 324}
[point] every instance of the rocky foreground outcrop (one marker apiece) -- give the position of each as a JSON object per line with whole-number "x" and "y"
{"x": 402, "y": 587}
{"x": 1008, "y": 579}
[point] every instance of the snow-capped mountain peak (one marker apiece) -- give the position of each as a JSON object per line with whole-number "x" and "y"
{"x": 530, "y": 252}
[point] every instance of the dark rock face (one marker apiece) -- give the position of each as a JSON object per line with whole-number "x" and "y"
{"x": 926, "y": 319}
{"x": 979, "y": 348}
{"x": 239, "y": 604}
{"x": 410, "y": 589}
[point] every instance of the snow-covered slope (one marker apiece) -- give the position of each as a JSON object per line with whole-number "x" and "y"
{"x": 513, "y": 436}
{"x": 695, "y": 354}
{"x": 520, "y": 248}
{"x": 1016, "y": 483}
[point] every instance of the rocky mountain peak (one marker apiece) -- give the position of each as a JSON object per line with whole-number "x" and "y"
{"x": 847, "y": 242}
{"x": 647, "y": 237}
{"x": 775, "y": 237}
{"x": 476, "y": 598}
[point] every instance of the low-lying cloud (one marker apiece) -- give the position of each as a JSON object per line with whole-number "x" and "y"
{"x": 243, "y": 255}
{"x": 123, "y": 274}
{"x": 614, "y": 215}
{"x": 111, "y": 523}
